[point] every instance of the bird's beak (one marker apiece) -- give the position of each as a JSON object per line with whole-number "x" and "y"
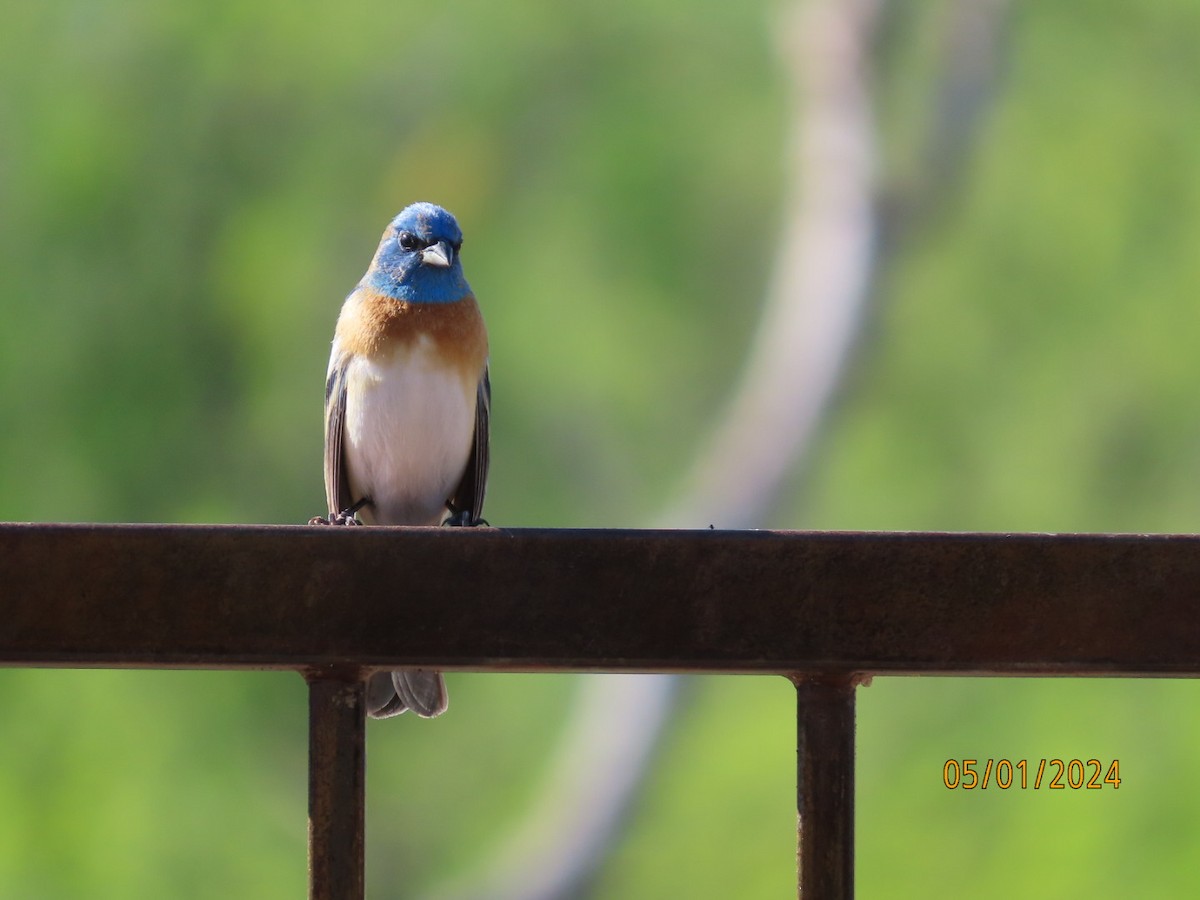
{"x": 439, "y": 255}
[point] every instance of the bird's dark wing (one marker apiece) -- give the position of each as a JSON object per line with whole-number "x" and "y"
{"x": 468, "y": 496}
{"x": 337, "y": 484}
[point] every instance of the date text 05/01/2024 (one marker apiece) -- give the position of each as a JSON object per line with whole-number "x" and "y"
{"x": 1023, "y": 774}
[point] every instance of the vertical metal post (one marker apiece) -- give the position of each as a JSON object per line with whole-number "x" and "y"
{"x": 336, "y": 782}
{"x": 825, "y": 786}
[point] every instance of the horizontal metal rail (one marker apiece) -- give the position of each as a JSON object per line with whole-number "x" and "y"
{"x": 825, "y": 609}
{"x": 661, "y": 601}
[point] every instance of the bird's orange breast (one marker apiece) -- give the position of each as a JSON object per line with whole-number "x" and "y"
{"x": 374, "y": 326}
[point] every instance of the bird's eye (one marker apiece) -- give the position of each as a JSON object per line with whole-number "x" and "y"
{"x": 409, "y": 241}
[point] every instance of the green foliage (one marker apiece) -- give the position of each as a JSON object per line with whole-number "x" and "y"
{"x": 188, "y": 190}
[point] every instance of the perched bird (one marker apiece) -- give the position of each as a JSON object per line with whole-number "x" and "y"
{"x": 407, "y": 400}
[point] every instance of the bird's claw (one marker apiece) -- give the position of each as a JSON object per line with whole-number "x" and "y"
{"x": 462, "y": 519}
{"x": 341, "y": 518}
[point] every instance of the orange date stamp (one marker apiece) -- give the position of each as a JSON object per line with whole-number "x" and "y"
{"x": 1031, "y": 774}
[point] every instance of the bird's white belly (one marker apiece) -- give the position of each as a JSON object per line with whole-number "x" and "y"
{"x": 407, "y": 434}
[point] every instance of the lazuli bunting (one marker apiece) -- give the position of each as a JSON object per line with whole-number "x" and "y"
{"x": 407, "y": 400}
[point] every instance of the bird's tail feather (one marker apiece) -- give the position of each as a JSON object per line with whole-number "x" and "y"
{"x": 391, "y": 693}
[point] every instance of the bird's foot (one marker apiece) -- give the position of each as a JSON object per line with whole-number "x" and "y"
{"x": 339, "y": 519}
{"x": 462, "y": 519}
{"x": 345, "y": 517}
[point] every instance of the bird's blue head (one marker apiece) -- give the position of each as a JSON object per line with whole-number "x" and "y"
{"x": 418, "y": 258}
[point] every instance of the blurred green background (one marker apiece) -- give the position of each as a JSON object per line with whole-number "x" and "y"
{"x": 188, "y": 190}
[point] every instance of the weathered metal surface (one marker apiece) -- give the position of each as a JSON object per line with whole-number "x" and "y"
{"x": 336, "y": 785}
{"x": 825, "y": 787}
{"x": 494, "y": 599}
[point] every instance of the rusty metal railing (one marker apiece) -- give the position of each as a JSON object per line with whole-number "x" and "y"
{"x": 824, "y": 609}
